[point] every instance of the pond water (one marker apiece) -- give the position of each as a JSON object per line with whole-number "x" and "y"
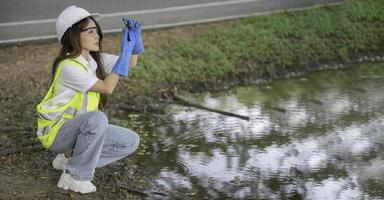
{"x": 319, "y": 136}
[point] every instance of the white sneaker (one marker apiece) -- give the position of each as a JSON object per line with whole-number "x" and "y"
{"x": 66, "y": 182}
{"x": 60, "y": 162}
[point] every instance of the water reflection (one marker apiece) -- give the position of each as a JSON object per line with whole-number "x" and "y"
{"x": 316, "y": 137}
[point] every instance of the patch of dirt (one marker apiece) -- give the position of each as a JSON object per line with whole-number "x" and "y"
{"x": 31, "y": 176}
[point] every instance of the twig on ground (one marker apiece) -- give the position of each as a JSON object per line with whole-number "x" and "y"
{"x": 134, "y": 191}
{"x": 8, "y": 129}
{"x": 14, "y": 150}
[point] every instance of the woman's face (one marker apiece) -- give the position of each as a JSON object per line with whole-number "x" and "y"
{"x": 89, "y": 38}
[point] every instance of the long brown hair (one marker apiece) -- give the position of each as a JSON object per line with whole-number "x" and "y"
{"x": 71, "y": 49}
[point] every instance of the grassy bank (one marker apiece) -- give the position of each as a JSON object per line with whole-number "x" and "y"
{"x": 261, "y": 47}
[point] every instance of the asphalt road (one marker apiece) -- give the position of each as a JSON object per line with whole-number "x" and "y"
{"x": 22, "y": 20}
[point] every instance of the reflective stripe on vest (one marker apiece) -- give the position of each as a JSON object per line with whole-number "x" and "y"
{"x": 52, "y": 116}
{"x": 50, "y": 120}
{"x": 55, "y": 115}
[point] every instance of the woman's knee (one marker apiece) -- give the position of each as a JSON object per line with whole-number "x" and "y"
{"x": 132, "y": 142}
{"x": 97, "y": 119}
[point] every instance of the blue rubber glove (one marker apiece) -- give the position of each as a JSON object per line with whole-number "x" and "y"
{"x": 135, "y": 25}
{"x": 128, "y": 41}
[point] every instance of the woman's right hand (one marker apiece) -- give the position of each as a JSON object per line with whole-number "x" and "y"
{"x": 128, "y": 40}
{"x": 135, "y": 26}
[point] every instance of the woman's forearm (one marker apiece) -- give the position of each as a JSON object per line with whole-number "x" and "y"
{"x": 107, "y": 85}
{"x": 134, "y": 59}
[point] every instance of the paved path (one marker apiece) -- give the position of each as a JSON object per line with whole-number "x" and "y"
{"x": 22, "y": 20}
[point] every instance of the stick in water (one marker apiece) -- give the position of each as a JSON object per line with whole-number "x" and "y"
{"x": 188, "y": 103}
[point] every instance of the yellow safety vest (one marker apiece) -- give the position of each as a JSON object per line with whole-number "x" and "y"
{"x": 50, "y": 120}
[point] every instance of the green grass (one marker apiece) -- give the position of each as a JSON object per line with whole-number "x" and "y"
{"x": 264, "y": 46}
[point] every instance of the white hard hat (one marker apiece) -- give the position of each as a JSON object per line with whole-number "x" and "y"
{"x": 70, "y": 16}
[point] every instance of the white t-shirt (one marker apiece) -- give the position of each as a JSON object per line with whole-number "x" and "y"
{"x": 73, "y": 79}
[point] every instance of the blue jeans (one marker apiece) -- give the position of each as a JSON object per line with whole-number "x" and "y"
{"x": 94, "y": 142}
